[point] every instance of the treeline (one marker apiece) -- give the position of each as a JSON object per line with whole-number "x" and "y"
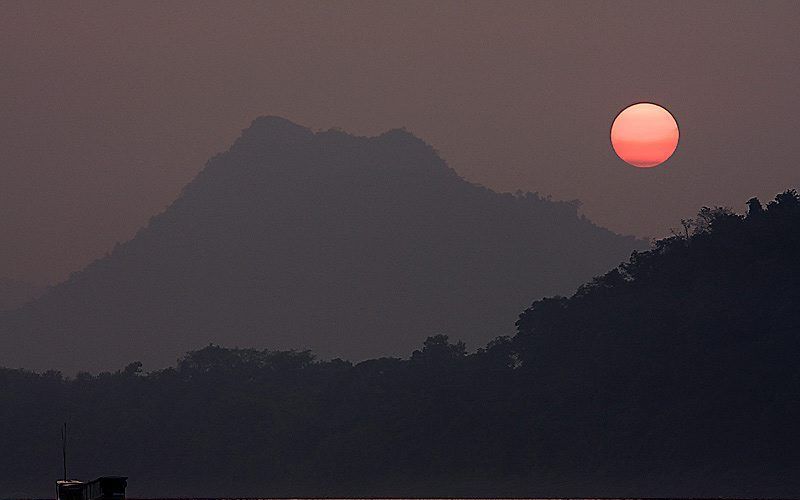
{"x": 675, "y": 374}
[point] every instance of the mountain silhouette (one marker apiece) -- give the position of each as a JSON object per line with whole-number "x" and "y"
{"x": 351, "y": 246}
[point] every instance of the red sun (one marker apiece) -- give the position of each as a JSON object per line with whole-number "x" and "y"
{"x": 644, "y": 135}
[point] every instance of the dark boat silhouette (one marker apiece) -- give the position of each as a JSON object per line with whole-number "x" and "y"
{"x": 102, "y": 488}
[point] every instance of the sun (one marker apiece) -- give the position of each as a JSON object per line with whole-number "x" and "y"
{"x": 644, "y": 135}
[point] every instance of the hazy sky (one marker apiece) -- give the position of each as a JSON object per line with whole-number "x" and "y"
{"x": 108, "y": 108}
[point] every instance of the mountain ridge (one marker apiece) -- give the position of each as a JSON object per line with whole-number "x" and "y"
{"x": 290, "y": 231}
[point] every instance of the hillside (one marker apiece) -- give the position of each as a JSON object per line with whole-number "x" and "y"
{"x": 673, "y": 375}
{"x": 351, "y": 246}
{"x": 682, "y": 361}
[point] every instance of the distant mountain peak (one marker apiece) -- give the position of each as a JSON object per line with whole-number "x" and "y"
{"x": 352, "y": 246}
{"x": 401, "y": 134}
{"x": 274, "y": 130}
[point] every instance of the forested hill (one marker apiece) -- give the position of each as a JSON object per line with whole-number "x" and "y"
{"x": 675, "y": 374}
{"x": 352, "y": 246}
{"x": 682, "y": 362}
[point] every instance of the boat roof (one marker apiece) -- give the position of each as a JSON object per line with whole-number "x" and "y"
{"x": 68, "y": 482}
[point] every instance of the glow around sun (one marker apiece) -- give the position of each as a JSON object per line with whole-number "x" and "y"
{"x": 644, "y": 135}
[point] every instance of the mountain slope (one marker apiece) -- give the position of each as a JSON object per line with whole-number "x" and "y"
{"x": 350, "y": 246}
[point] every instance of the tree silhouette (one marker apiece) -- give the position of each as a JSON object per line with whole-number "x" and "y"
{"x": 674, "y": 374}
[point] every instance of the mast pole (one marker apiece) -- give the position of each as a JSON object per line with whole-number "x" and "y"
{"x": 64, "y": 448}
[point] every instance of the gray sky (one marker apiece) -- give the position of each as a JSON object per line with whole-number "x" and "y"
{"x": 109, "y": 108}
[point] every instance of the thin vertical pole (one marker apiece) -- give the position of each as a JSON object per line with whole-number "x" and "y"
{"x": 64, "y": 448}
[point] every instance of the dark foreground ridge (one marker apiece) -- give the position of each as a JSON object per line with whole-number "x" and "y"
{"x": 354, "y": 247}
{"x": 673, "y": 375}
